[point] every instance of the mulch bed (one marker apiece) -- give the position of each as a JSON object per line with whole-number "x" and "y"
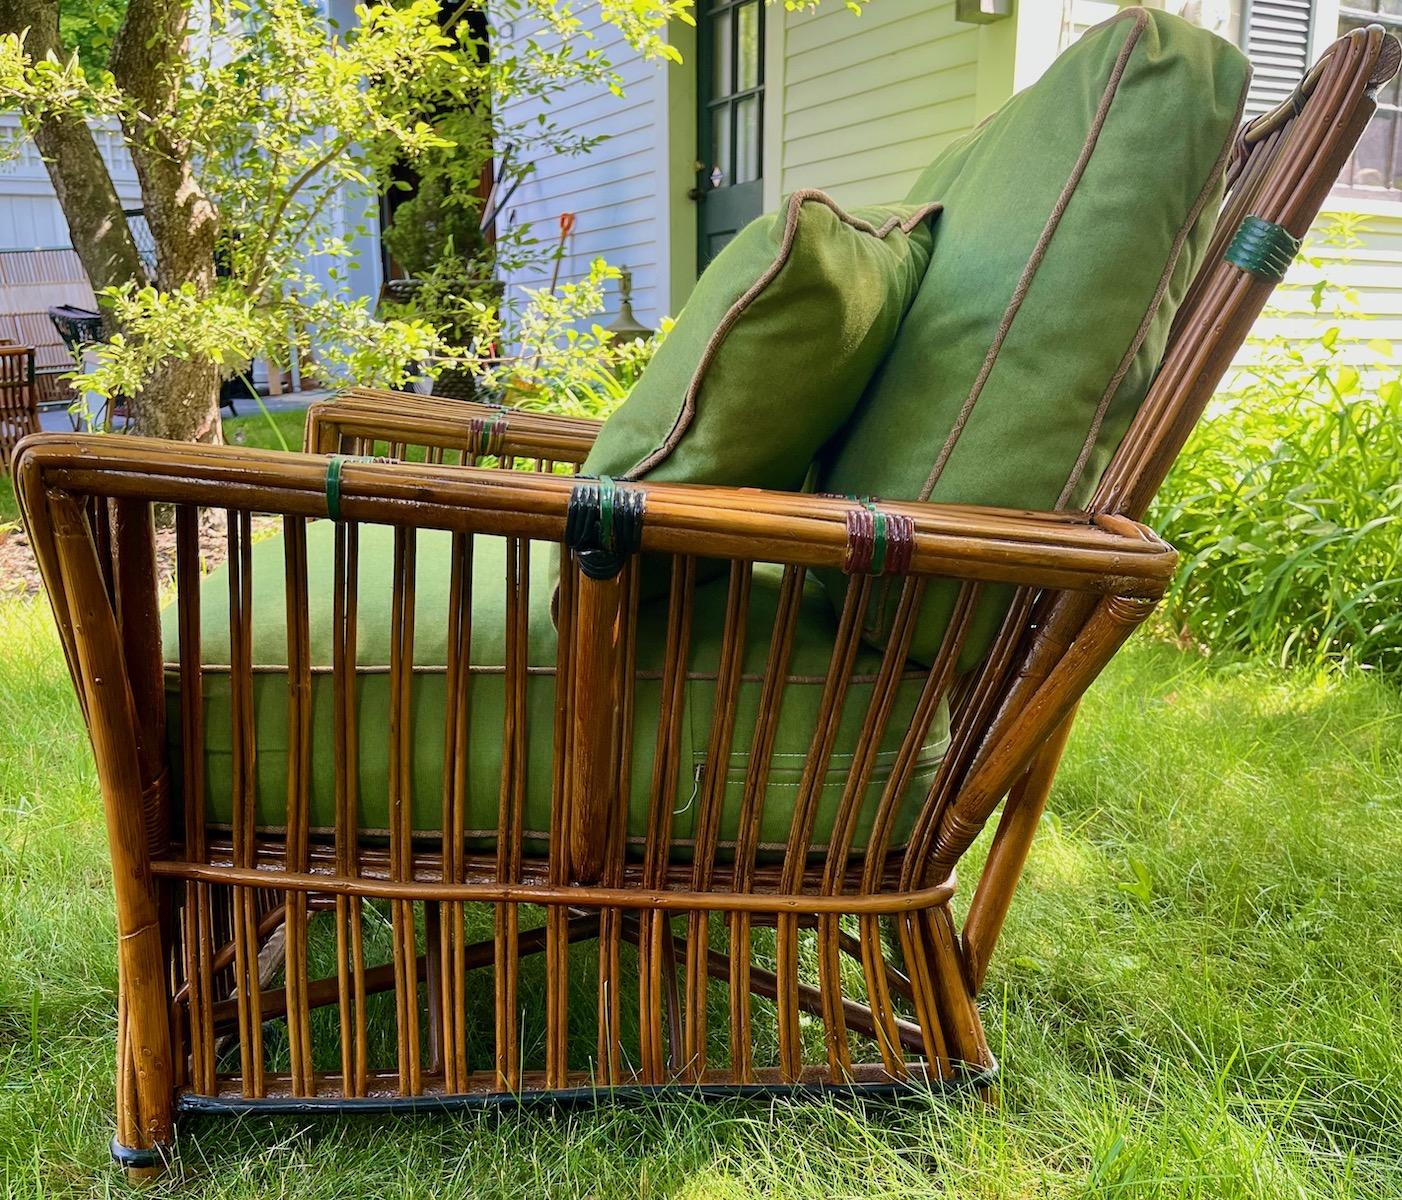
{"x": 19, "y": 573}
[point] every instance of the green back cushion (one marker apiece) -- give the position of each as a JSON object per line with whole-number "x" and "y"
{"x": 797, "y": 713}
{"x": 773, "y": 348}
{"x": 1073, "y": 222}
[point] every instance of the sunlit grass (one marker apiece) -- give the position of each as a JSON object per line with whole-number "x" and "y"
{"x": 1219, "y": 1020}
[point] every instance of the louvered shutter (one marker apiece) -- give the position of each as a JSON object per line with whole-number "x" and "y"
{"x": 1278, "y": 44}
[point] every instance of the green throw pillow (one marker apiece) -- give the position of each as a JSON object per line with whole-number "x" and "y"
{"x": 771, "y": 352}
{"x": 1074, "y": 220}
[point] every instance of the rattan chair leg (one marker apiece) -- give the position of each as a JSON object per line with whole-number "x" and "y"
{"x": 1022, "y": 812}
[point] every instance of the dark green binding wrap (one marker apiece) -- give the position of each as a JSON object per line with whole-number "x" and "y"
{"x": 1263, "y": 249}
{"x": 604, "y": 525}
{"x": 333, "y": 478}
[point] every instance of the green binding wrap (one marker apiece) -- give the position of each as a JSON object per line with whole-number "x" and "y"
{"x": 1263, "y": 249}
{"x": 878, "y": 551}
{"x": 333, "y": 478}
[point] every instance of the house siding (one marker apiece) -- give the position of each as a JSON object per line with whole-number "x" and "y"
{"x": 617, "y": 191}
{"x": 30, "y": 216}
{"x": 868, "y": 101}
{"x": 1370, "y": 272}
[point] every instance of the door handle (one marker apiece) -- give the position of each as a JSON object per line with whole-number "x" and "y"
{"x": 696, "y": 193}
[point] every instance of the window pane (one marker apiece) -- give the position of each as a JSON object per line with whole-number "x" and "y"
{"x": 719, "y": 172}
{"x": 1395, "y": 163}
{"x": 1370, "y": 160}
{"x": 1376, "y": 163}
{"x": 747, "y": 55}
{"x": 720, "y": 55}
{"x": 747, "y": 134}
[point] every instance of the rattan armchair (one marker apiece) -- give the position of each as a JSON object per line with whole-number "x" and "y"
{"x": 830, "y": 962}
{"x": 19, "y": 402}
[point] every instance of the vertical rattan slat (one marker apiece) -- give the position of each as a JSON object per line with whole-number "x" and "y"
{"x": 776, "y": 670}
{"x": 299, "y": 769}
{"x": 350, "y": 945}
{"x": 713, "y": 784}
{"x": 199, "y": 927}
{"x": 654, "y": 941}
{"x": 401, "y": 807}
{"x": 244, "y": 788}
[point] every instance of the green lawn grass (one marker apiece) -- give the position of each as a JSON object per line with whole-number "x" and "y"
{"x": 271, "y": 430}
{"x": 9, "y": 506}
{"x": 1197, "y": 994}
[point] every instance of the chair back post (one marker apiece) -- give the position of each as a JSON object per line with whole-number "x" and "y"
{"x": 1286, "y": 162}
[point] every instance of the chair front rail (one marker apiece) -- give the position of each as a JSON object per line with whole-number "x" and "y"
{"x": 858, "y": 935}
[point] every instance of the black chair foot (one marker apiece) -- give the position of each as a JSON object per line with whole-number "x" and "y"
{"x": 137, "y": 1159}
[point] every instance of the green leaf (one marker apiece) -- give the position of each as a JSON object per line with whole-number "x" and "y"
{"x": 1141, "y": 888}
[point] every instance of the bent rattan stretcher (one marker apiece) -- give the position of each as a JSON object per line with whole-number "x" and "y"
{"x": 323, "y": 969}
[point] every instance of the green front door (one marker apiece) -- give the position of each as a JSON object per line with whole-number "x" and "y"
{"x": 730, "y": 93}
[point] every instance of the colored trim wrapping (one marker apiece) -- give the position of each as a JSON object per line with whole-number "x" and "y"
{"x": 604, "y": 525}
{"x": 488, "y": 434}
{"x": 333, "y": 478}
{"x": 878, "y": 542}
{"x": 1263, "y": 249}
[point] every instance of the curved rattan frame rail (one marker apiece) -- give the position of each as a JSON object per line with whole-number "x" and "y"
{"x": 859, "y": 936}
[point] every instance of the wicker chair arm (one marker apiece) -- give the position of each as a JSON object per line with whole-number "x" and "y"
{"x": 363, "y": 416}
{"x": 1088, "y": 553}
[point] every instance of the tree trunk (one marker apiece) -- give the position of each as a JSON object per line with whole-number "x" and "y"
{"x": 181, "y": 401}
{"x": 148, "y": 61}
{"x": 79, "y": 175}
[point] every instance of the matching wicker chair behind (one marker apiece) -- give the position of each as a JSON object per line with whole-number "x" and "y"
{"x": 341, "y": 950}
{"x": 19, "y": 408}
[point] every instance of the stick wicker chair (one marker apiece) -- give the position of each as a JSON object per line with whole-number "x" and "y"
{"x": 257, "y": 957}
{"x": 19, "y": 406}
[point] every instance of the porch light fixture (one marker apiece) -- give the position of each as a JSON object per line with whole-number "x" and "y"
{"x": 982, "y": 12}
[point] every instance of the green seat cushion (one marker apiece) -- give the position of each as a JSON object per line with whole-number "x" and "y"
{"x": 798, "y": 709}
{"x": 1074, "y": 220}
{"x": 773, "y": 348}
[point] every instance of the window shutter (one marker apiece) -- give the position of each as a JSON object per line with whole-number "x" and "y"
{"x": 1278, "y": 44}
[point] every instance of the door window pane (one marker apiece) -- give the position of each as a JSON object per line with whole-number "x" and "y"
{"x": 747, "y": 134}
{"x": 720, "y": 146}
{"x": 721, "y": 52}
{"x": 747, "y": 49}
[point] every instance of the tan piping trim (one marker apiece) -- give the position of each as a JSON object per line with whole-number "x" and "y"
{"x": 756, "y": 289}
{"x": 1039, "y": 251}
{"x": 1178, "y": 242}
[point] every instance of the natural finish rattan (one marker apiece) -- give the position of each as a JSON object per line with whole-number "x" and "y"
{"x": 704, "y": 964}
{"x": 19, "y": 405}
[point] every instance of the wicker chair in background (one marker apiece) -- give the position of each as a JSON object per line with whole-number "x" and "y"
{"x": 19, "y": 403}
{"x": 865, "y": 942}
